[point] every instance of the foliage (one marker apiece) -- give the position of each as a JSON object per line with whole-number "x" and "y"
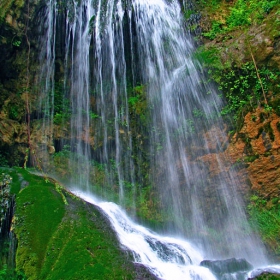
{"x": 243, "y": 88}
{"x": 3, "y": 161}
{"x": 65, "y": 152}
{"x": 138, "y": 102}
{"x": 148, "y": 208}
{"x": 6, "y": 5}
{"x": 265, "y": 218}
{"x": 241, "y": 14}
{"x": 13, "y": 107}
{"x": 62, "y": 110}
{"x": 240, "y": 84}
{"x": 93, "y": 116}
{"x": 215, "y": 29}
{"x": 10, "y": 274}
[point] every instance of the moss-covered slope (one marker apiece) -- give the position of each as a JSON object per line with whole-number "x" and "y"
{"x": 62, "y": 237}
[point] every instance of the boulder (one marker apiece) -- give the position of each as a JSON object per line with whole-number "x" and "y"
{"x": 228, "y": 269}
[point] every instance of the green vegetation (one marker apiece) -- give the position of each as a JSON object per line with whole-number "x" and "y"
{"x": 240, "y": 84}
{"x": 62, "y": 109}
{"x": 265, "y": 217}
{"x": 239, "y": 14}
{"x": 139, "y": 198}
{"x": 60, "y": 236}
{"x": 138, "y": 103}
{"x": 10, "y": 5}
{"x": 236, "y": 61}
{"x": 268, "y": 276}
{"x": 8, "y": 274}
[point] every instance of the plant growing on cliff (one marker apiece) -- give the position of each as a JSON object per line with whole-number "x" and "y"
{"x": 137, "y": 102}
{"x": 244, "y": 86}
{"x": 236, "y": 14}
{"x": 265, "y": 218}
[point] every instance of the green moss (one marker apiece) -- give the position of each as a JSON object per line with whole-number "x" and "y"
{"x": 58, "y": 240}
{"x": 251, "y": 158}
{"x": 82, "y": 248}
{"x": 138, "y": 103}
{"x": 268, "y": 276}
{"x": 39, "y": 212}
{"x": 265, "y": 218}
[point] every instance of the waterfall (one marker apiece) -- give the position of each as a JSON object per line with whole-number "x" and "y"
{"x": 166, "y": 257}
{"x": 138, "y": 116}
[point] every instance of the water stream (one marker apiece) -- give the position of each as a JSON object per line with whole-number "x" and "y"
{"x": 127, "y": 67}
{"x": 168, "y": 257}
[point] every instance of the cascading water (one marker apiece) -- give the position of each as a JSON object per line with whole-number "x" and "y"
{"x": 133, "y": 96}
{"x": 171, "y": 258}
{"x": 166, "y": 257}
{"x": 179, "y": 95}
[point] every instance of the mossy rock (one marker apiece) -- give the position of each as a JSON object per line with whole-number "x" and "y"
{"x": 62, "y": 237}
{"x": 267, "y": 276}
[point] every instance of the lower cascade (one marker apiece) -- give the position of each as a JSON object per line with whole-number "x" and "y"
{"x": 170, "y": 258}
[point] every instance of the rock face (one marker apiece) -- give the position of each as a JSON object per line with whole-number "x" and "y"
{"x": 6, "y": 203}
{"x": 257, "y": 145}
{"x": 254, "y": 151}
{"x": 262, "y": 39}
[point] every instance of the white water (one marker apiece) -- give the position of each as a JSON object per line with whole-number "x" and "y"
{"x": 166, "y": 257}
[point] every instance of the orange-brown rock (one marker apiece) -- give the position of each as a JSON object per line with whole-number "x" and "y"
{"x": 256, "y": 151}
{"x": 262, "y": 157}
{"x": 264, "y": 174}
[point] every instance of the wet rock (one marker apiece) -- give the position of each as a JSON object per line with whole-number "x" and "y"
{"x": 142, "y": 273}
{"x": 235, "y": 276}
{"x": 6, "y": 203}
{"x": 262, "y": 138}
{"x": 228, "y": 269}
